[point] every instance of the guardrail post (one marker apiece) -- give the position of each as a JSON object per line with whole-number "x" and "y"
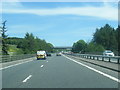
{"x": 109, "y": 59}
{"x": 93, "y": 57}
{"x": 10, "y": 58}
{"x": 102, "y": 58}
{"x": 83, "y": 56}
{"x": 97, "y": 58}
{"x": 90, "y": 57}
{"x": 118, "y": 60}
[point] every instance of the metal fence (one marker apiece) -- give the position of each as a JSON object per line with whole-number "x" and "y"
{"x": 9, "y": 58}
{"x": 115, "y": 59}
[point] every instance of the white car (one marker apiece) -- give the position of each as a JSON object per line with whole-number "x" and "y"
{"x": 108, "y": 53}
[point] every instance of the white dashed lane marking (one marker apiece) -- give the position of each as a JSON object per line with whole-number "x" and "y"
{"x": 25, "y": 80}
{"x": 42, "y": 66}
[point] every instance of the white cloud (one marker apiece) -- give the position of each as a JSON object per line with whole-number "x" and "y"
{"x": 106, "y": 11}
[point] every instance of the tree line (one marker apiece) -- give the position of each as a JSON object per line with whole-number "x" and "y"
{"x": 29, "y": 44}
{"x": 104, "y": 38}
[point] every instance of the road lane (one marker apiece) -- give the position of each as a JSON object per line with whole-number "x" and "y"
{"x": 93, "y": 69}
{"x": 13, "y": 76}
{"x": 105, "y": 70}
{"x": 59, "y": 72}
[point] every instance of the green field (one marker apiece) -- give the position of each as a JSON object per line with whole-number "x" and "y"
{"x": 13, "y": 50}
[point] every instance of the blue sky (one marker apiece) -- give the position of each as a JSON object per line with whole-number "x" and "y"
{"x": 60, "y": 23}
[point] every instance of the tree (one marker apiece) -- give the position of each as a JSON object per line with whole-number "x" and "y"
{"x": 93, "y": 48}
{"x": 30, "y": 44}
{"x": 4, "y": 38}
{"x": 14, "y": 40}
{"x": 106, "y": 37}
{"x": 79, "y": 46}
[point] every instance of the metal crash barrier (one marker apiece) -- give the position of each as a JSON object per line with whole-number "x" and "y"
{"x": 115, "y": 59}
{"x": 9, "y": 58}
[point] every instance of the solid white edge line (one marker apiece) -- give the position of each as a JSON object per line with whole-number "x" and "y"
{"x": 14, "y": 65}
{"x": 27, "y": 78}
{"x": 93, "y": 69}
{"x": 42, "y": 65}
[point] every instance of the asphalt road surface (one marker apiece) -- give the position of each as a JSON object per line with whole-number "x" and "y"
{"x": 58, "y": 72}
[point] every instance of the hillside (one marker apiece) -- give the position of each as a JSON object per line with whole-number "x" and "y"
{"x": 13, "y": 50}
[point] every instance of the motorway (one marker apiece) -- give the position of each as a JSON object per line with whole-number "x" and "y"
{"x": 58, "y": 72}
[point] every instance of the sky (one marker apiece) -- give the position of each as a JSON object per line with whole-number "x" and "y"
{"x": 59, "y": 23}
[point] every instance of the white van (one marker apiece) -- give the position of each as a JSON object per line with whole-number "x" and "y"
{"x": 41, "y": 55}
